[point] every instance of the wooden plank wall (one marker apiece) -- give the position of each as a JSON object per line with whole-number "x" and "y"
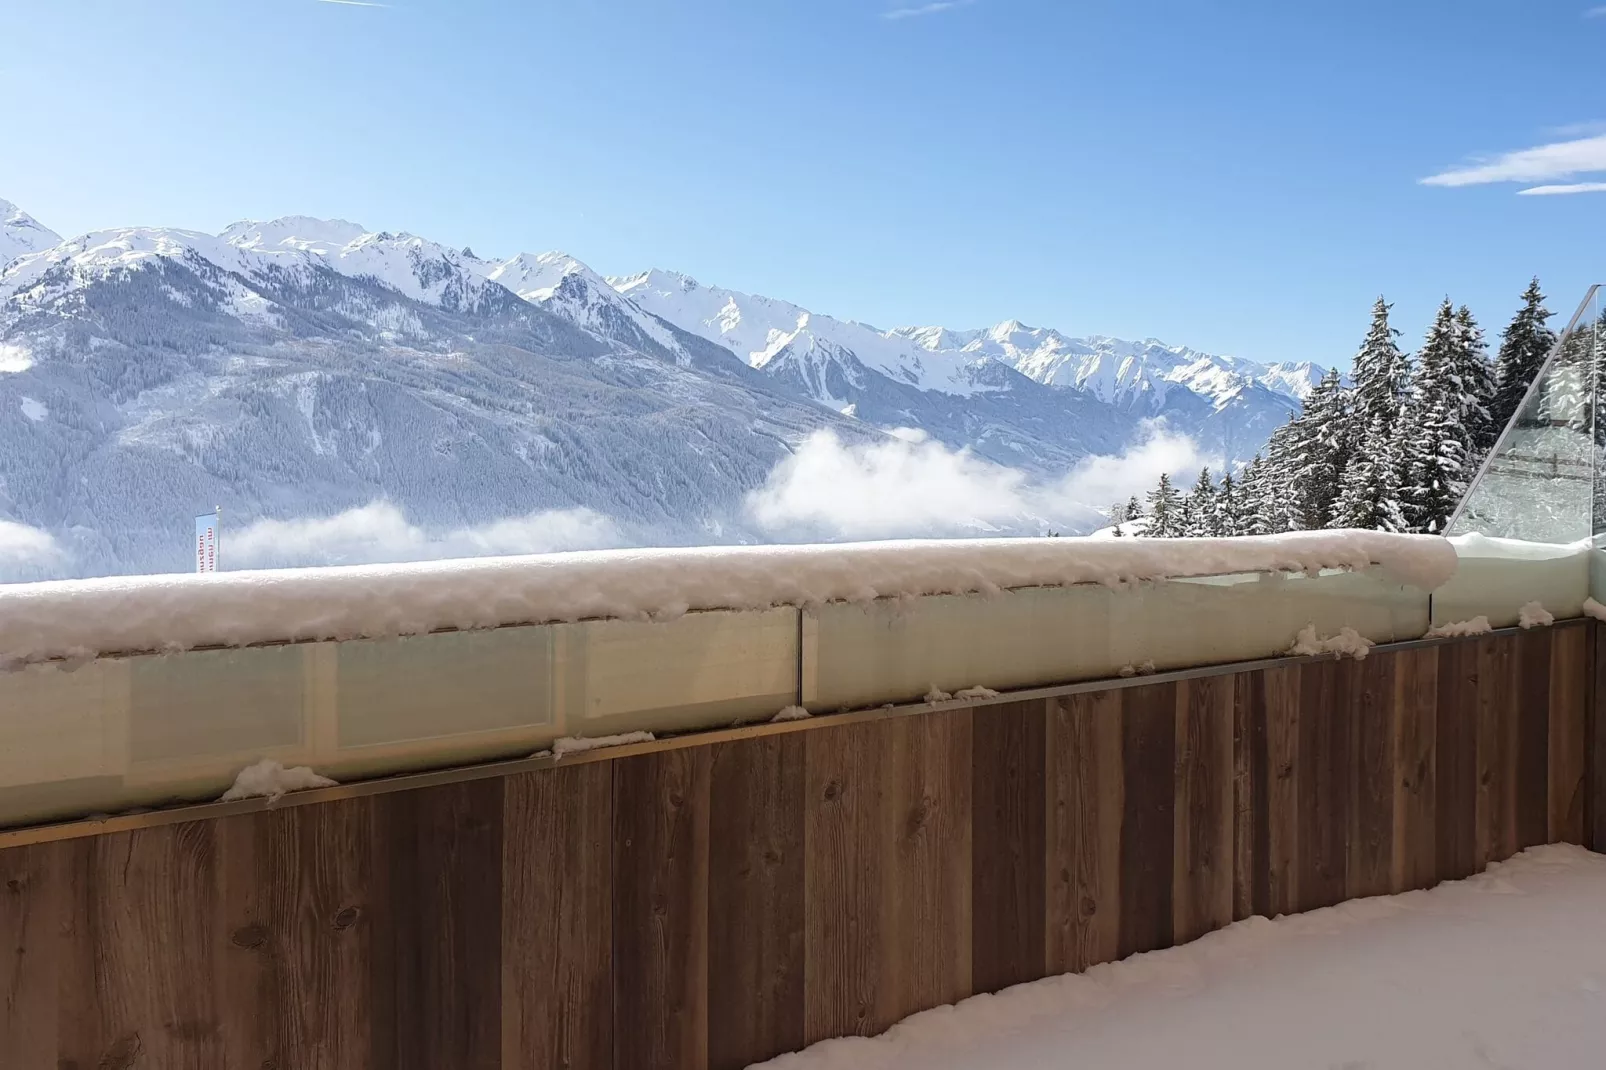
{"x": 712, "y": 905}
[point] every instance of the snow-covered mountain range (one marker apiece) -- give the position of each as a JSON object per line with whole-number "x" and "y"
{"x": 298, "y": 369}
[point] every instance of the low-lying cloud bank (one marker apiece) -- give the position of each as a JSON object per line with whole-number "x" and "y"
{"x": 27, "y": 553}
{"x": 380, "y": 532}
{"x": 912, "y": 486}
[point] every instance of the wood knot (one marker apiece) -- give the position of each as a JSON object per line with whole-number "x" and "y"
{"x": 14, "y": 886}
{"x": 1090, "y": 906}
{"x": 250, "y": 937}
{"x": 833, "y": 790}
{"x": 122, "y": 1055}
{"x": 677, "y": 800}
{"x": 346, "y": 918}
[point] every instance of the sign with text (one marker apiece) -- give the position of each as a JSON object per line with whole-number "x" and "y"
{"x": 206, "y": 543}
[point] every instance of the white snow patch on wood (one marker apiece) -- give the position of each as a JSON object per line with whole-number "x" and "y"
{"x": 268, "y": 779}
{"x": 936, "y": 695}
{"x": 1507, "y": 968}
{"x": 1535, "y": 615}
{"x": 1594, "y": 609}
{"x": 976, "y": 693}
{"x": 1347, "y": 643}
{"x": 1504, "y": 969}
{"x": 791, "y": 713}
{"x": 579, "y": 744}
{"x": 1143, "y": 668}
{"x": 130, "y": 614}
{"x": 1478, "y": 625}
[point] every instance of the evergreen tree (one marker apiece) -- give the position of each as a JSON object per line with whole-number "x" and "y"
{"x": 1118, "y": 517}
{"x": 1369, "y": 485}
{"x": 1253, "y": 507}
{"x": 1434, "y": 445}
{"x": 1229, "y": 507}
{"x": 1476, "y": 375}
{"x": 1165, "y": 509}
{"x": 1523, "y": 348}
{"x": 1382, "y": 375}
{"x": 1273, "y": 487}
{"x": 1368, "y": 495}
{"x": 1134, "y": 509}
{"x": 1199, "y": 509}
{"x": 1318, "y": 451}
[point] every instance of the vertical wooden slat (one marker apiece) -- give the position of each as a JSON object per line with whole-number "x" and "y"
{"x": 138, "y": 989}
{"x": 1284, "y": 712}
{"x": 1567, "y": 734}
{"x": 295, "y": 935}
{"x": 557, "y": 919}
{"x": 1251, "y": 887}
{"x": 660, "y": 910}
{"x": 1325, "y": 754}
{"x": 440, "y": 867}
{"x": 1148, "y": 829}
{"x": 1456, "y": 748}
{"x": 926, "y": 831}
{"x": 755, "y": 901}
{"x": 1416, "y": 680}
{"x": 1595, "y": 746}
{"x": 1202, "y": 863}
{"x": 887, "y": 901}
{"x": 1373, "y": 761}
{"x": 1533, "y": 737}
{"x": 843, "y": 934}
{"x": 32, "y": 900}
{"x": 1007, "y": 835}
{"x": 1497, "y": 718}
{"x": 1083, "y": 832}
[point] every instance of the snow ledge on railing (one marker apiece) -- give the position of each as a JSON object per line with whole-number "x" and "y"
{"x": 139, "y": 614}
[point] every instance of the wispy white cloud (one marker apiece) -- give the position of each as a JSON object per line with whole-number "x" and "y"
{"x": 24, "y": 550}
{"x": 379, "y": 532}
{"x": 1561, "y": 191}
{"x": 936, "y": 7}
{"x": 1596, "y": 12}
{"x": 912, "y": 486}
{"x": 1560, "y": 159}
{"x": 353, "y": 3}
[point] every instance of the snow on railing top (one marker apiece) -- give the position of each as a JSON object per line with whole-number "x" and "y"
{"x": 73, "y": 619}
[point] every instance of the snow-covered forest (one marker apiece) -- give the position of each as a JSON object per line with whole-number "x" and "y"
{"x": 1392, "y": 448}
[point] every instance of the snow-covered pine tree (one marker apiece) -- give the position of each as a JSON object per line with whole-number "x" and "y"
{"x": 1273, "y": 487}
{"x": 1165, "y": 510}
{"x": 1251, "y": 491}
{"x": 1368, "y": 495}
{"x": 1523, "y": 348}
{"x": 1319, "y": 449}
{"x": 1478, "y": 386}
{"x": 1199, "y": 508}
{"x": 1229, "y": 507}
{"x": 1134, "y": 508}
{"x": 1433, "y": 445}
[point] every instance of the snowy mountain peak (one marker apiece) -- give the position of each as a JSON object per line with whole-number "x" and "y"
{"x": 21, "y": 234}
{"x": 537, "y": 276}
{"x": 293, "y": 233}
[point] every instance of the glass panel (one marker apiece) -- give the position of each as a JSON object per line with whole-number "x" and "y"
{"x": 1538, "y": 484}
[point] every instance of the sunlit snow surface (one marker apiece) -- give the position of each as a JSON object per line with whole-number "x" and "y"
{"x": 1507, "y": 969}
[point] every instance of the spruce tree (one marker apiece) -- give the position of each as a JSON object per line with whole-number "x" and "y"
{"x": 1165, "y": 509}
{"x": 1523, "y": 348}
{"x": 1253, "y": 497}
{"x": 1477, "y": 386}
{"x": 1199, "y": 509}
{"x": 1229, "y": 507}
{"x": 1275, "y": 482}
{"x": 1434, "y": 446}
{"x": 1319, "y": 450}
{"x": 1369, "y": 486}
{"x": 1134, "y": 509}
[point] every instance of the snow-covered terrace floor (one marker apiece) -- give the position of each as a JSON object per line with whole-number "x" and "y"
{"x": 1506, "y": 969}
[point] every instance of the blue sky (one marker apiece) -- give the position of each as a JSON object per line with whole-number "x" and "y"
{"x": 1242, "y": 176}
